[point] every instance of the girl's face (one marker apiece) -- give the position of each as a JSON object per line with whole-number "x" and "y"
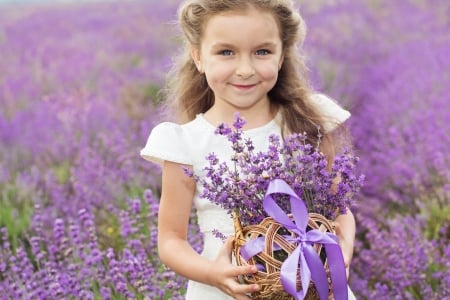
{"x": 240, "y": 54}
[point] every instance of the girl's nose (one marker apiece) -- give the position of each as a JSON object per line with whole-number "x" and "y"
{"x": 245, "y": 68}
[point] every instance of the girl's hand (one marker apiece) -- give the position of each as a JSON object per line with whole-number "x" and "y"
{"x": 224, "y": 275}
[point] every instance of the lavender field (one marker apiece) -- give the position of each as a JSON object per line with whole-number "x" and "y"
{"x": 79, "y": 94}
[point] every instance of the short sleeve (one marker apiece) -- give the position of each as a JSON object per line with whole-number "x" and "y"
{"x": 333, "y": 113}
{"x": 166, "y": 142}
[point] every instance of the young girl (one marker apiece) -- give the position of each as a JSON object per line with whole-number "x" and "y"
{"x": 240, "y": 56}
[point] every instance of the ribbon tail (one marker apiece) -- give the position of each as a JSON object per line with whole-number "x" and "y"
{"x": 319, "y": 276}
{"x": 288, "y": 274}
{"x": 337, "y": 271}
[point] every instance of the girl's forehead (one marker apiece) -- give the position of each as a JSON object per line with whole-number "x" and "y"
{"x": 248, "y": 12}
{"x": 237, "y": 23}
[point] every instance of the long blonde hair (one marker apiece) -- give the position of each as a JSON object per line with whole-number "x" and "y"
{"x": 188, "y": 91}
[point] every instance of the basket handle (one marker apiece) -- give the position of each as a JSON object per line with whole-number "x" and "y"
{"x": 238, "y": 231}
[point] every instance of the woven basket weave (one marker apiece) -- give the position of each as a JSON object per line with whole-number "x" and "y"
{"x": 268, "y": 277}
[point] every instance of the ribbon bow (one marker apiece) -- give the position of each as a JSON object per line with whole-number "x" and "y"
{"x": 311, "y": 267}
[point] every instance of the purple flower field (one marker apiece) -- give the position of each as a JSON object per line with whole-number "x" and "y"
{"x": 79, "y": 94}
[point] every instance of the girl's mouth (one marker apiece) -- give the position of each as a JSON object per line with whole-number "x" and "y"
{"x": 244, "y": 86}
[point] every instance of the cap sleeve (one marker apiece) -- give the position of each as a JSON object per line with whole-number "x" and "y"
{"x": 334, "y": 114}
{"x": 166, "y": 142}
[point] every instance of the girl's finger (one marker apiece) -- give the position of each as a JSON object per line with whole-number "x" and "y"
{"x": 225, "y": 251}
{"x": 243, "y": 290}
{"x": 243, "y": 270}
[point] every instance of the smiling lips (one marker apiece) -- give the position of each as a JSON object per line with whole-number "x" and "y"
{"x": 244, "y": 86}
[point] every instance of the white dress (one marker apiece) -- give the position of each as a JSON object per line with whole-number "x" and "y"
{"x": 189, "y": 144}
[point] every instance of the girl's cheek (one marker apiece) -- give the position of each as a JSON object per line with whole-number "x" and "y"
{"x": 270, "y": 72}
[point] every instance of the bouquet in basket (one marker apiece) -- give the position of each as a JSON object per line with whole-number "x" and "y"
{"x": 283, "y": 201}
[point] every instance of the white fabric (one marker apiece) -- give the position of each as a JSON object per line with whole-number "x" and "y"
{"x": 190, "y": 143}
{"x": 333, "y": 113}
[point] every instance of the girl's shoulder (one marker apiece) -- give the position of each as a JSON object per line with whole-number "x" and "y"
{"x": 331, "y": 111}
{"x": 171, "y": 129}
{"x": 172, "y": 141}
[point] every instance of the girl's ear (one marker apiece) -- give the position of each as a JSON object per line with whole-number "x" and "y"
{"x": 195, "y": 54}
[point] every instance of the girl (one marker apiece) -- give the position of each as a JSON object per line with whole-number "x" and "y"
{"x": 240, "y": 56}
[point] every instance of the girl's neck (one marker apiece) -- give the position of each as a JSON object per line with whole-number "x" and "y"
{"x": 253, "y": 119}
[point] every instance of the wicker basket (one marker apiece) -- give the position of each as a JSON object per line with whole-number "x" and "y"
{"x": 268, "y": 277}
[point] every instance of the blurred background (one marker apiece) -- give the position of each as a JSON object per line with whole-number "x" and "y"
{"x": 79, "y": 84}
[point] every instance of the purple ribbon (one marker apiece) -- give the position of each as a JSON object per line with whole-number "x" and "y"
{"x": 311, "y": 267}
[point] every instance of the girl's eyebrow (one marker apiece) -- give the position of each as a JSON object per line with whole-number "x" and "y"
{"x": 267, "y": 45}
{"x": 227, "y": 45}
{"x": 222, "y": 45}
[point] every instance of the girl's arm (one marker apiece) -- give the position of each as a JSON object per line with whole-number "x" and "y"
{"x": 174, "y": 250}
{"x": 345, "y": 227}
{"x": 345, "y": 230}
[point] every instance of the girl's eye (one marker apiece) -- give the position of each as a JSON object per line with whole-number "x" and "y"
{"x": 262, "y": 52}
{"x": 226, "y": 52}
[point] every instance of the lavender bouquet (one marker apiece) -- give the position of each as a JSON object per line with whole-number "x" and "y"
{"x": 241, "y": 187}
{"x": 260, "y": 186}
